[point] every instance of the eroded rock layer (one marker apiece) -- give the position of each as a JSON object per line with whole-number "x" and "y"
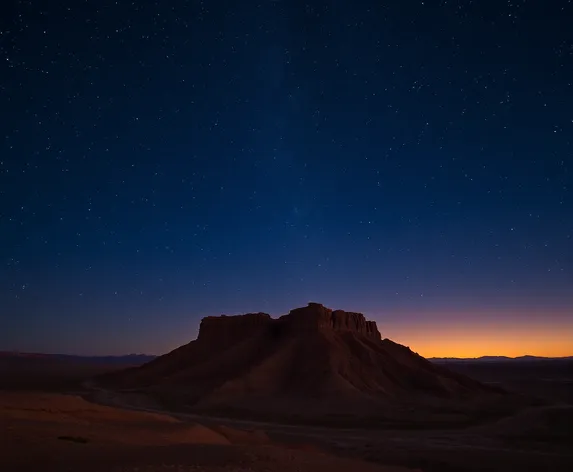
{"x": 314, "y": 317}
{"x": 311, "y": 362}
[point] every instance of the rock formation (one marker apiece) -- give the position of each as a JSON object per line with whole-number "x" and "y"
{"x": 312, "y": 318}
{"x": 312, "y": 361}
{"x": 316, "y": 317}
{"x": 224, "y": 329}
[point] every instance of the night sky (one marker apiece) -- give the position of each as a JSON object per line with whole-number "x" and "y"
{"x": 164, "y": 161}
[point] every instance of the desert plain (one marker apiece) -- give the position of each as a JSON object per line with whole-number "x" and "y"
{"x": 59, "y": 414}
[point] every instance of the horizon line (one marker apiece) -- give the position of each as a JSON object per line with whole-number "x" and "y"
{"x": 36, "y": 353}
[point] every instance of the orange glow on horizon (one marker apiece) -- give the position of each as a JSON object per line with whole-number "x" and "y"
{"x": 553, "y": 339}
{"x": 448, "y": 334}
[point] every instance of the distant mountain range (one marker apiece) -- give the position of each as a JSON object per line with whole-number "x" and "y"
{"x": 498, "y": 359}
{"x": 138, "y": 359}
{"x": 132, "y": 359}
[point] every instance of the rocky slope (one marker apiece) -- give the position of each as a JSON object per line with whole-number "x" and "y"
{"x": 311, "y": 362}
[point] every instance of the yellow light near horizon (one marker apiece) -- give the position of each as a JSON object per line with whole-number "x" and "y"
{"x": 551, "y": 340}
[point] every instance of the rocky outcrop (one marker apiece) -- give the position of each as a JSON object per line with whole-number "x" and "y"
{"x": 343, "y": 320}
{"x": 314, "y": 317}
{"x": 227, "y": 329}
{"x": 317, "y": 362}
{"x": 317, "y": 317}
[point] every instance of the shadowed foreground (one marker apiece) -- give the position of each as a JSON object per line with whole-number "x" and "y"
{"x": 55, "y": 432}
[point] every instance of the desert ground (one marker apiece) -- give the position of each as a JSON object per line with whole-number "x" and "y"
{"x": 51, "y": 431}
{"x": 548, "y": 379}
{"x": 54, "y": 419}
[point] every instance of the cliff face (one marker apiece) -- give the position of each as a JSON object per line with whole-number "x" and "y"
{"x": 313, "y": 361}
{"x": 227, "y": 329}
{"x": 316, "y": 317}
{"x": 312, "y": 318}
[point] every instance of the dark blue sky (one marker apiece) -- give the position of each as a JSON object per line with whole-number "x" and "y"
{"x": 164, "y": 161}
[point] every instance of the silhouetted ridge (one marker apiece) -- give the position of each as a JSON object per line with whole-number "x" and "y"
{"x": 313, "y": 361}
{"x": 228, "y": 329}
{"x": 316, "y": 317}
{"x": 312, "y": 318}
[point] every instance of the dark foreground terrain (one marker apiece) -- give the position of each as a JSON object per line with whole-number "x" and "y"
{"x": 551, "y": 379}
{"x": 46, "y": 424}
{"x": 57, "y": 373}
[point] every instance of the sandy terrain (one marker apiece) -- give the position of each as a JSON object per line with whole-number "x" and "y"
{"x": 536, "y": 439}
{"x": 53, "y": 432}
{"x": 96, "y": 437}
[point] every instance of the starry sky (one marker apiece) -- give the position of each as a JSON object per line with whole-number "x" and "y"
{"x": 164, "y": 161}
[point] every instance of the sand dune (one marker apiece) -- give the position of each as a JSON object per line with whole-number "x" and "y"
{"x": 62, "y": 432}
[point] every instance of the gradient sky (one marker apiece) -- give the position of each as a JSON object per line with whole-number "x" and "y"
{"x": 163, "y": 161}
